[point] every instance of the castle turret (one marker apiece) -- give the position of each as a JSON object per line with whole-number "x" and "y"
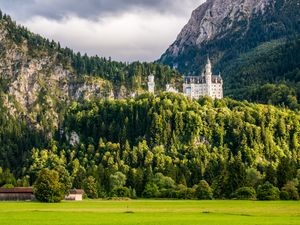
{"x": 151, "y": 84}
{"x": 208, "y": 77}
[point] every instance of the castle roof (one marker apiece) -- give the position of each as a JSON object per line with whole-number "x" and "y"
{"x": 215, "y": 79}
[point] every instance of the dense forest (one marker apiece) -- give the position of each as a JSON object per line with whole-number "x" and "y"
{"x": 269, "y": 73}
{"x": 170, "y": 146}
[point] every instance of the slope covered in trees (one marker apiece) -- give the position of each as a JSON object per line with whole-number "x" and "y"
{"x": 156, "y": 146}
{"x": 269, "y": 73}
{"x": 38, "y": 80}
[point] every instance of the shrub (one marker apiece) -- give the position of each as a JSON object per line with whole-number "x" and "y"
{"x": 244, "y": 193}
{"x": 48, "y": 187}
{"x": 284, "y": 195}
{"x": 203, "y": 191}
{"x": 267, "y": 192}
{"x": 292, "y": 190}
{"x": 184, "y": 192}
{"x": 163, "y": 182}
{"x": 121, "y": 192}
{"x": 9, "y": 186}
{"x": 151, "y": 191}
{"x": 167, "y": 193}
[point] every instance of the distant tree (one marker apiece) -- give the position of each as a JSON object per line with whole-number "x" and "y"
{"x": 64, "y": 178}
{"x": 163, "y": 182}
{"x": 270, "y": 175}
{"x": 204, "y": 191}
{"x": 253, "y": 177}
{"x": 6, "y": 177}
{"x": 267, "y": 192}
{"x": 236, "y": 175}
{"x": 79, "y": 178}
{"x": 244, "y": 193}
{"x": 117, "y": 180}
{"x": 120, "y": 192}
{"x": 48, "y": 187}
{"x": 286, "y": 171}
{"x": 291, "y": 188}
{"x": 151, "y": 191}
{"x": 90, "y": 187}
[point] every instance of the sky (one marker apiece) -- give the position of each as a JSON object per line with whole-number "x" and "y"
{"x": 126, "y": 30}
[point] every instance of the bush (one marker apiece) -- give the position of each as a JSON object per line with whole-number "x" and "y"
{"x": 163, "y": 182}
{"x": 267, "y": 192}
{"x": 121, "y": 192}
{"x": 151, "y": 191}
{"x": 9, "y": 186}
{"x": 203, "y": 191}
{"x": 292, "y": 190}
{"x": 284, "y": 195}
{"x": 244, "y": 193}
{"x": 184, "y": 192}
{"x": 167, "y": 193}
{"x": 48, "y": 187}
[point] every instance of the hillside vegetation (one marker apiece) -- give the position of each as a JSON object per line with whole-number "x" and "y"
{"x": 269, "y": 73}
{"x": 165, "y": 145}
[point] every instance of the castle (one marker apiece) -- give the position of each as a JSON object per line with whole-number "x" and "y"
{"x": 197, "y": 86}
{"x": 204, "y": 85}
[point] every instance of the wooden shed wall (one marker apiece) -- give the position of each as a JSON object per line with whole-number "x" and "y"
{"x": 16, "y": 196}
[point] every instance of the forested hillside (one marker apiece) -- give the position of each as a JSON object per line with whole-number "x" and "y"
{"x": 39, "y": 79}
{"x": 269, "y": 73}
{"x": 157, "y": 143}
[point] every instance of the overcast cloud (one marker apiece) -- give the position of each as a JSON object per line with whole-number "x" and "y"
{"x": 126, "y": 30}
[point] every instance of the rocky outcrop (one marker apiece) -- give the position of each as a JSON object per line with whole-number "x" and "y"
{"x": 225, "y": 29}
{"x": 213, "y": 18}
{"x": 40, "y": 87}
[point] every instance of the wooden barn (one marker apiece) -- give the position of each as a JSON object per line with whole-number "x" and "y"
{"x": 16, "y": 194}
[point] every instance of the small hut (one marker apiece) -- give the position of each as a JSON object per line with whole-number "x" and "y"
{"x": 75, "y": 195}
{"x": 16, "y": 194}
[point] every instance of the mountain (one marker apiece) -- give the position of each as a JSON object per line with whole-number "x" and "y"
{"x": 39, "y": 80}
{"x": 64, "y": 111}
{"x": 227, "y": 30}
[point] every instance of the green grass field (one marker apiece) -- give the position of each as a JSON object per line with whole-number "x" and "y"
{"x": 150, "y": 213}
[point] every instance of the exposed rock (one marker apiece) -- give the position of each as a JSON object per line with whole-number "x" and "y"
{"x": 213, "y": 18}
{"x": 39, "y": 87}
{"x": 73, "y": 138}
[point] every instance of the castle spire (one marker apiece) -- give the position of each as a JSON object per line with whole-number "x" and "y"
{"x": 208, "y": 66}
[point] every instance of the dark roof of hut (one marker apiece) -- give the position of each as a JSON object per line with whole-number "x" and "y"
{"x": 16, "y": 190}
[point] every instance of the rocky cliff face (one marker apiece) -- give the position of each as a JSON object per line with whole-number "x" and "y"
{"x": 214, "y": 18}
{"x": 224, "y": 28}
{"x": 38, "y": 88}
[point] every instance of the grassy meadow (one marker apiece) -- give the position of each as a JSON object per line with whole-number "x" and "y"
{"x": 150, "y": 212}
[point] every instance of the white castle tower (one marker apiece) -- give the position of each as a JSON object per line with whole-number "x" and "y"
{"x": 151, "y": 84}
{"x": 206, "y": 84}
{"x": 208, "y": 76}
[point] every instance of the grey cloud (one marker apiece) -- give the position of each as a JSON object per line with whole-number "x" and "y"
{"x": 91, "y": 9}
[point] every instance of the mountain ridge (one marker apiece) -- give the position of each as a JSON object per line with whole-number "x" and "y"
{"x": 226, "y": 33}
